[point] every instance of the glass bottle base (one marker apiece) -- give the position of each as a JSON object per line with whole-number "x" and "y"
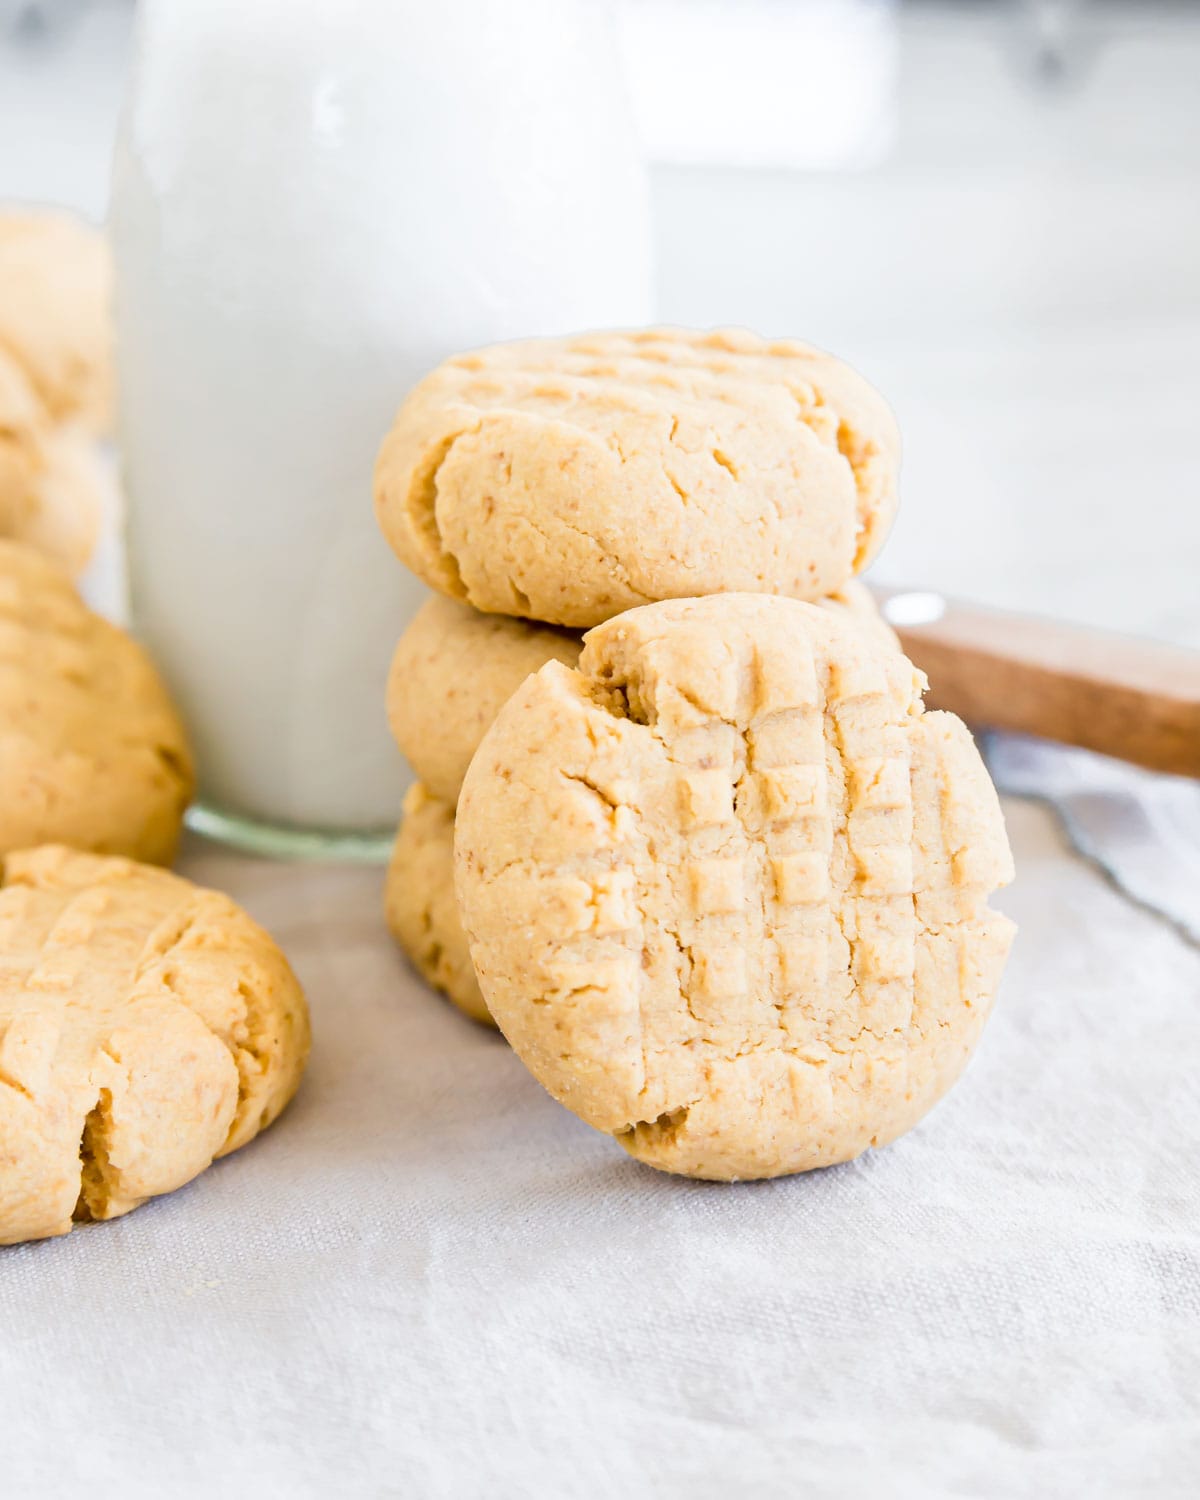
{"x": 275, "y": 841}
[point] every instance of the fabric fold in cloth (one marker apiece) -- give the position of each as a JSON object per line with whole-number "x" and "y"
{"x": 1141, "y": 829}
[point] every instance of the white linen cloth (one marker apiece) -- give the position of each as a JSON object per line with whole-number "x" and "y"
{"x": 428, "y": 1279}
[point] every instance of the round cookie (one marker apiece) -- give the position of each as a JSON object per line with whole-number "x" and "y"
{"x": 566, "y": 480}
{"x": 52, "y": 479}
{"x": 55, "y": 296}
{"x": 453, "y": 671}
{"x": 455, "y": 668}
{"x": 92, "y": 753}
{"x": 23, "y": 427}
{"x": 726, "y": 886}
{"x": 146, "y": 1027}
{"x": 420, "y": 905}
{"x": 67, "y": 504}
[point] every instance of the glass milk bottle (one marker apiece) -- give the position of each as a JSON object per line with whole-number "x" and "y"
{"x": 314, "y": 201}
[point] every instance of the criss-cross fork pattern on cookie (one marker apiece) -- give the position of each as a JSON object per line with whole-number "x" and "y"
{"x": 757, "y": 894}
{"x": 568, "y": 479}
{"x": 146, "y": 1027}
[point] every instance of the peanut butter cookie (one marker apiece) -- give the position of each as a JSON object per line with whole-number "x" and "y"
{"x": 453, "y": 671}
{"x": 52, "y": 478}
{"x": 420, "y": 905}
{"x": 726, "y": 886}
{"x": 92, "y": 753}
{"x": 146, "y": 1027}
{"x": 23, "y": 427}
{"x": 567, "y": 480}
{"x": 55, "y": 313}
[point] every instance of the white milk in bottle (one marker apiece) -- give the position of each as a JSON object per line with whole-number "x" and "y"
{"x": 314, "y": 201}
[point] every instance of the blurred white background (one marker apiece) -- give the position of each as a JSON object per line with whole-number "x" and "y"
{"x": 993, "y": 209}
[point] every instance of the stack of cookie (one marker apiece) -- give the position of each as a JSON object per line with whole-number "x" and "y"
{"x": 546, "y": 486}
{"x": 718, "y": 877}
{"x": 55, "y": 383}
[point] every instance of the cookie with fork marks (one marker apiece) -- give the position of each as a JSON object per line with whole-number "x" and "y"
{"x": 147, "y": 1026}
{"x": 726, "y": 886}
{"x": 566, "y": 480}
{"x": 454, "y": 669}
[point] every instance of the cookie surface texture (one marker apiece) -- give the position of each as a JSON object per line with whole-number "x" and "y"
{"x": 726, "y": 886}
{"x": 92, "y": 753}
{"x": 55, "y": 313}
{"x": 67, "y": 506}
{"x": 147, "y": 1026}
{"x": 568, "y": 480}
{"x": 455, "y": 669}
{"x": 53, "y": 479}
{"x": 23, "y": 427}
{"x": 420, "y": 905}
{"x": 452, "y": 672}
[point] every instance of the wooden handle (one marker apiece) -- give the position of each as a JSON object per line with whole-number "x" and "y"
{"x": 1120, "y": 695}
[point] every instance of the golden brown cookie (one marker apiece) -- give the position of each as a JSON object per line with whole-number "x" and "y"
{"x": 565, "y": 480}
{"x": 420, "y": 904}
{"x": 23, "y": 428}
{"x": 64, "y": 520}
{"x": 52, "y": 478}
{"x": 726, "y": 886}
{"x": 55, "y": 313}
{"x": 92, "y": 753}
{"x": 453, "y": 671}
{"x": 455, "y": 668}
{"x": 146, "y": 1027}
